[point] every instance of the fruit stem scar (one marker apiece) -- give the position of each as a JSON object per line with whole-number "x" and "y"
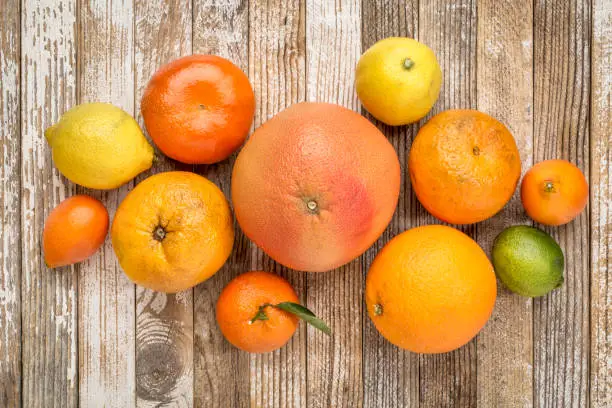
{"x": 261, "y": 313}
{"x": 202, "y": 106}
{"x": 549, "y": 187}
{"x": 378, "y": 309}
{"x": 159, "y": 233}
{"x": 476, "y": 151}
{"x": 408, "y": 63}
{"x": 312, "y": 205}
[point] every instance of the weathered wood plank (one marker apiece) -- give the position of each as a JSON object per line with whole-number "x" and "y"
{"x": 561, "y": 130}
{"x": 505, "y": 91}
{"x": 221, "y": 370}
{"x": 391, "y": 375}
{"x": 449, "y": 28}
{"x": 49, "y": 297}
{"x": 277, "y": 72}
{"x": 601, "y": 208}
{"x": 164, "y": 322}
{"x": 335, "y": 365}
{"x": 106, "y": 296}
{"x": 10, "y": 196}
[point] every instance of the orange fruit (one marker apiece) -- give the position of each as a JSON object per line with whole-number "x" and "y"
{"x": 240, "y": 302}
{"x": 554, "y": 192}
{"x": 173, "y": 231}
{"x": 198, "y": 109}
{"x": 315, "y": 186}
{"x": 430, "y": 289}
{"x": 74, "y": 231}
{"x": 464, "y": 166}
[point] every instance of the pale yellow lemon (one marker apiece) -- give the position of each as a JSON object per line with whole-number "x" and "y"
{"x": 98, "y": 145}
{"x": 398, "y": 80}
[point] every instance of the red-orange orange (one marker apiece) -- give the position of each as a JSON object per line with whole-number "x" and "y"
{"x": 198, "y": 109}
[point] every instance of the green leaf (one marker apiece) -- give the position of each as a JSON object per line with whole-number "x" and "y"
{"x": 261, "y": 314}
{"x": 304, "y": 314}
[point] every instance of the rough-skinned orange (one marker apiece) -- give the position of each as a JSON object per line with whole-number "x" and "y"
{"x": 464, "y": 166}
{"x": 173, "y": 231}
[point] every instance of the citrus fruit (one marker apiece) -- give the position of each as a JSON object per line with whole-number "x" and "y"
{"x": 398, "y": 80}
{"x": 98, "y": 145}
{"x": 74, "y": 231}
{"x": 173, "y": 231}
{"x": 430, "y": 289}
{"x": 528, "y": 260}
{"x": 464, "y": 166}
{"x": 315, "y": 186}
{"x": 239, "y": 307}
{"x": 554, "y": 192}
{"x": 198, "y": 109}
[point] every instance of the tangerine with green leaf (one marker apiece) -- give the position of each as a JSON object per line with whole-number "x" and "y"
{"x": 258, "y": 312}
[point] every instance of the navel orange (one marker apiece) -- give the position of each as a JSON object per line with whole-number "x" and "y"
{"x": 554, "y": 192}
{"x": 173, "y": 231}
{"x": 430, "y": 289}
{"x": 315, "y": 186}
{"x": 464, "y": 166}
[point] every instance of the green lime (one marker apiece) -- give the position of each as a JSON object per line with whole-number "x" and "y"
{"x": 528, "y": 260}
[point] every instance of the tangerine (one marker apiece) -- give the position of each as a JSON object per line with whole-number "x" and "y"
{"x": 554, "y": 192}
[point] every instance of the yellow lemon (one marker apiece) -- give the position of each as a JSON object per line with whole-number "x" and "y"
{"x": 398, "y": 80}
{"x": 98, "y": 145}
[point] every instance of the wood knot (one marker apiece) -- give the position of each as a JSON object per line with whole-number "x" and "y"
{"x": 161, "y": 364}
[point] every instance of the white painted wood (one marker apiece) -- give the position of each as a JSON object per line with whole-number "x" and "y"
{"x": 10, "y": 213}
{"x": 48, "y": 297}
{"x": 164, "y": 323}
{"x": 601, "y": 206}
{"x": 106, "y": 296}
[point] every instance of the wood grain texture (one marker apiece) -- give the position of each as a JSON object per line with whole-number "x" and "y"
{"x": 277, "y": 71}
{"x": 106, "y": 296}
{"x": 561, "y": 130}
{"x": 10, "y": 208}
{"x": 449, "y": 28}
{"x": 49, "y": 297}
{"x": 390, "y": 374}
{"x": 221, "y": 370}
{"x": 601, "y": 207}
{"x": 335, "y": 365}
{"x": 164, "y": 322}
{"x": 505, "y": 91}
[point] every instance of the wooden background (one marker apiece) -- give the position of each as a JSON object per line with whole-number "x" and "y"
{"x": 84, "y": 335}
